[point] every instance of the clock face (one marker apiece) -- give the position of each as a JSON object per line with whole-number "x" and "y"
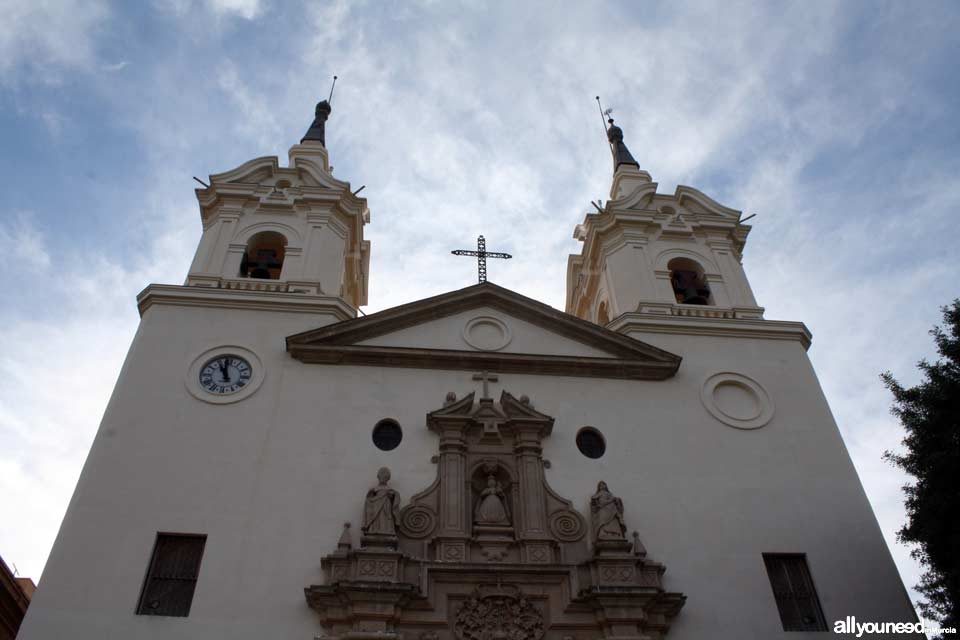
{"x": 225, "y": 374}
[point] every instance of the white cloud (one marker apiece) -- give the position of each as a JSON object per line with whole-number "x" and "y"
{"x": 257, "y": 120}
{"x": 59, "y": 365}
{"x": 46, "y": 36}
{"x": 248, "y": 9}
{"x": 24, "y": 243}
{"x": 54, "y": 121}
{"x": 117, "y": 66}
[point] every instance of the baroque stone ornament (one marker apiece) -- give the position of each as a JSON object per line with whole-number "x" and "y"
{"x": 490, "y": 516}
{"x": 498, "y": 613}
{"x": 381, "y": 509}
{"x": 417, "y": 521}
{"x": 567, "y": 526}
{"x": 607, "y": 512}
{"x": 491, "y": 508}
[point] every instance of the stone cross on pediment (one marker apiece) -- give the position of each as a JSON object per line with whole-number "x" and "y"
{"x": 487, "y": 413}
{"x": 487, "y": 378}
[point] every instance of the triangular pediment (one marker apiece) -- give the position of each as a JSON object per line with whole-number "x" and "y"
{"x": 483, "y": 327}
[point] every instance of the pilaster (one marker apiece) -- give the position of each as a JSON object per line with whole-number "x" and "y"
{"x": 529, "y": 456}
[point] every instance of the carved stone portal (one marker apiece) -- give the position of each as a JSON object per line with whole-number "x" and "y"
{"x": 489, "y": 551}
{"x": 498, "y": 613}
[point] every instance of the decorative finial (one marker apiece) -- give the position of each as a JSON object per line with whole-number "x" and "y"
{"x": 638, "y": 548}
{"x": 621, "y": 155}
{"x": 317, "y": 130}
{"x": 344, "y": 542}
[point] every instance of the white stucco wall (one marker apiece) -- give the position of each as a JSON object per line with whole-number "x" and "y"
{"x": 271, "y": 480}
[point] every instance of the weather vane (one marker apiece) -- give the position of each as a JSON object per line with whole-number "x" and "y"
{"x": 482, "y": 254}
{"x": 605, "y": 117}
{"x": 330, "y": 97}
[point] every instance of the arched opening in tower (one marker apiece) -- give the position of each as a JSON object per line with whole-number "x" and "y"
{"x": 263, "y": 258}
{"x": 689, "y": 282}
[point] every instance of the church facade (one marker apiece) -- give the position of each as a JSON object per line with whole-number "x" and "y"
{"x": 656, "y": 461}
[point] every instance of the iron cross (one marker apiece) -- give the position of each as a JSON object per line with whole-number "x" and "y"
{"x": 482, "y": 255}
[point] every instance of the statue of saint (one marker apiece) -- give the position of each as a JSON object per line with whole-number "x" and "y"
{"x": 606, "y": 511}
{"x": 382, "y": 508}
{"x": 492, "y": 507}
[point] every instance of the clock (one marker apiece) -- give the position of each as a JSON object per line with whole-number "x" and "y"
{"x": 225, "y": 374}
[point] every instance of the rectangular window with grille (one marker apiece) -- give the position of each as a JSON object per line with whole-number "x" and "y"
{"x": 793, "y": 589}
{"x": 172, "y": 575}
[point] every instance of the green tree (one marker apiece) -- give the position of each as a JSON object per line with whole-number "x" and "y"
{"x": 930, "y": 414}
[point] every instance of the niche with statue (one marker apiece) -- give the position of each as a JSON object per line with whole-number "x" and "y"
{"x": 489, "y": 549}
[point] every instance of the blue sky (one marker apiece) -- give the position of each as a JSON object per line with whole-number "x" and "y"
{"x": 836, "y": 123}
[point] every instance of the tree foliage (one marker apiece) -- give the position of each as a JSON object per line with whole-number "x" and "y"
{"x": 930, "y": 414}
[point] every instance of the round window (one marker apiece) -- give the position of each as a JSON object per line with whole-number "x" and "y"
{"x": 591, "y": 442}
{"x": 387, "y": 435}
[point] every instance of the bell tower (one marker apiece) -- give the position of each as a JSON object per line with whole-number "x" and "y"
{"x": 293, "y": 229}
{"x": 651, "y": 255}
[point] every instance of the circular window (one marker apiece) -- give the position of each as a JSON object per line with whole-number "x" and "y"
{"x": 591, "y": 442}
{"x": 387, "y": 435}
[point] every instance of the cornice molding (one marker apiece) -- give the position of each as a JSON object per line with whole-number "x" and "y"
{"x": 186, "y": 296}
{"x": 683, "y": 192}
{"x": 337, "y": 344}
{"x": 720, "y": 327}
{"x": 448, "y": 359}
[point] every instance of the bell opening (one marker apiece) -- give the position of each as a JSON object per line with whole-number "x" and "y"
{"x": 689, "y": 282}
{"x": 264, "y": 256}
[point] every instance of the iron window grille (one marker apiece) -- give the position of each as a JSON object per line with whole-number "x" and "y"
{"x": 172, "y": 575}
{"x": 793, "y": 589}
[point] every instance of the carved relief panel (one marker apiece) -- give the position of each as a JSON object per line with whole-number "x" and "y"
{"x": 489, "y": 551}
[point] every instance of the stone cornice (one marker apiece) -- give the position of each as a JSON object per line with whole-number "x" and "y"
{"x": 413, "y": 358}
{"x": 630, "y": 210}
{"x": 684, "y": 192}
{"x": 184, "y": 296}
{"x": 246, "y": 183}
{"x": 337, "y": 344}
{"x": 721, "y": 327}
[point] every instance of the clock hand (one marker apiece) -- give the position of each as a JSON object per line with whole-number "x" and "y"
{"x": 224, "y": 370}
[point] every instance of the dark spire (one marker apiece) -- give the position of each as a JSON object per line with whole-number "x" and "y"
{"x": 621, "y": 155}
{"x": 317, "y": 129}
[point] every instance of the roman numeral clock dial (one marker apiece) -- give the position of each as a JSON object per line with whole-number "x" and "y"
{"x": 225, "y": 374}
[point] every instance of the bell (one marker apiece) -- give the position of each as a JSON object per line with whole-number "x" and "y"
{"x": 261, "y": 273}
{"x": 696, "y": 298}
{"x": 685, "y": 286}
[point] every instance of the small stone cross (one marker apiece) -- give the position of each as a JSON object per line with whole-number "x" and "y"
{"x": 487, "y": 378}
